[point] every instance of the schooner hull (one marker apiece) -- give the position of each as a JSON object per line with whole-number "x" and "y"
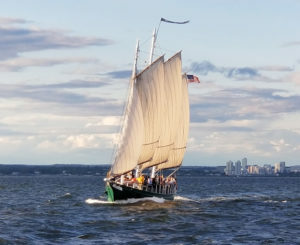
{"x": 122, "y": 192}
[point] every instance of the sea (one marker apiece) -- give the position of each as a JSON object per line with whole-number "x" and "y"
{"x": 72, "y": 209}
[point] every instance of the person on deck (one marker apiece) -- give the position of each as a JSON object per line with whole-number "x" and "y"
{"x": 140, "y": 181}
{"x": 146, "y": 180}
{"x": 149, "y": 181}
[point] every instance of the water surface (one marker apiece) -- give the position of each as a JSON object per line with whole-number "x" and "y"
{"x": 61, "y": 209}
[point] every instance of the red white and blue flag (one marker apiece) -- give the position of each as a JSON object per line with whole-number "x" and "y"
{"x": 192, "y": 79}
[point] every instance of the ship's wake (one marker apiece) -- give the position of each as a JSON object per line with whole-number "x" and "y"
{"x": 185, "y": 199}
{"x": 103, "y": 200}
{"x": 123, "y": 202}
{"x": 248, "y": 197}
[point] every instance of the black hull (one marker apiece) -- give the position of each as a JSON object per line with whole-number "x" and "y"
{"x": 123, "y": 192}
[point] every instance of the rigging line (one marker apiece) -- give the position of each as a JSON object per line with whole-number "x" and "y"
{"x": 156, "y": 44}
{"x": 156, "y": 34}
{"x": 146, "y": 40}
{"x": 158, "y": 28}
{"x": 167, "y": 50}
{"x": 173, "y": 172}
{"x": 141, "y": 51}
{"x": 144, "y": 52}
{"x": 121, "y": 122}
{"x": 162, "y": 51}
{"x": 158, "y": 48}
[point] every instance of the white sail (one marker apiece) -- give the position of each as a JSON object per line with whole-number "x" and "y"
{"x": 149, "y": 84}
{"x": 169, "y": 100}
{"x": 177, "y": 152}
{"x": 132, "y": 135}
{"x": 157, "y": 119}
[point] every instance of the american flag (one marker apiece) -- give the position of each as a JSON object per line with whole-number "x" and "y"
{"x": 192, "y": 79}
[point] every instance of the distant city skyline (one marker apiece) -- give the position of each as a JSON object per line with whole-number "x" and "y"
{"x": 65, "y": 69}
{"x": 243, "y": 169}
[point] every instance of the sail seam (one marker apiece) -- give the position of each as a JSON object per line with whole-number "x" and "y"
{"x": 151, "y": 143}
{"x": 179, "y": 148}
{"x": 165, "y": 145}
{"x": 145, "y": 161}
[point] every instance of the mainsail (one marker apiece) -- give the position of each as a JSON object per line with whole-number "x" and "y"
{"x": 156, "y": 123}
{"x": 148, "y": 83}
{"x": 170, "y": 100}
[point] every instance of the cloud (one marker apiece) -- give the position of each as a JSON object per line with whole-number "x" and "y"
{"x": 275, "y": 68}
{"x": 119, "y": 74}
{"x": 40, "y": 93}
{"x": 71, "y": 85}
{"x": 291, "y": 44}
{"x": 60, "y": 99}
{"x": 82, "y": 141}
{"x": 5, "y": 130}
{"x": 279, "y": 145}
{"x": 294, "y": 77}
{"x": 241, "y": 73}
{"x": 203, "y": 67}
{"x": 20, "y": 63}
{"x": 9, "y": 143}
{"x": 241, "y": 104}
{"x": 10, "y": 21}
{"x": 237, "y": 73}
{"x": 105, "y": 121}
{"x": 15, "y": 40}
{"x": 270, "y": 140}
{"x": 77, "y": 141}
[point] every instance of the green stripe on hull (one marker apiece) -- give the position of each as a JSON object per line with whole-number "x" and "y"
{"x": 110, "y": 193}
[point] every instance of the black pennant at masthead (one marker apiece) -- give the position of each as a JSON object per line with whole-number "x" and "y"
{"x": 174, "y": 22}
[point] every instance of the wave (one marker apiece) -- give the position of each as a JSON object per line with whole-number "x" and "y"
{"x": 122, "y": 202}
{"x": 181, "y": 198}
{"x": 68, "y": 194}
{"x": 207, "y": 199}
{"x": 194, "y": 199}
{"x": 275, "y": 201}
{"x": 222, "y": 198}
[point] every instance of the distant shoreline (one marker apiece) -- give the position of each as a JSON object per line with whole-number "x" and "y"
{"x": 100, "y": 170}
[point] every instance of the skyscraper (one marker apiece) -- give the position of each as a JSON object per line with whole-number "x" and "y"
{"x": 229, "y": 170}
{"x": 237, "y": 167}
{"x": 279, "y": 167}
{"x": 268, "y": 169}
{"x": 244, "y": 165}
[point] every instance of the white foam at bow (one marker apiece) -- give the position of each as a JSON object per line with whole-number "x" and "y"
{"x": 128, "y": 201}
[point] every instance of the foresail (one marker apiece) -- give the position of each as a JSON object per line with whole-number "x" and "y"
{"x": 177, "y": 152}
{"x": 169, "y": 101}
{"x": 132, "y": 135}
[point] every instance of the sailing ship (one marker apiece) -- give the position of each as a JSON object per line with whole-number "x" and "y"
{"x": 154, "y": 133}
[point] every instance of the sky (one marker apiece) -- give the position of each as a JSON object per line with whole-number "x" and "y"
{"x": 65, "y": 67}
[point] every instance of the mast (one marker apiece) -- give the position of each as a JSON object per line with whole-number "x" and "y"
{"x": 150, "y": 61}
{"x": 154, "y": 34}
{"x": 131, "y": 138}
{"x": 134, "y": 69}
